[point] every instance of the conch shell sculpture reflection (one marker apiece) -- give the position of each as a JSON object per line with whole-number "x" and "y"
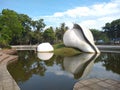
{"x": 80, "y": 65}
{"x": 80, "y": 38}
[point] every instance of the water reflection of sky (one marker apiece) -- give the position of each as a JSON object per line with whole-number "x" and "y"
{"x": 100, "y": 72}
{"x": 57, "y": 70}
{"x": 61, "y": 73}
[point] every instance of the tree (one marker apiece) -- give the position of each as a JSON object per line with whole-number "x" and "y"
{"x": 60, "y": 32}
{"x": 38, "y": 26}
{"x": 49, "y": 35}
{"x": 26, "y": 32}
{"x": 112, "y": 29}
{"x": 96, "y": 34}
{"x": 19, "y": 28}
{"x": 10, "y": 26}
{"x": 99, "y": 35}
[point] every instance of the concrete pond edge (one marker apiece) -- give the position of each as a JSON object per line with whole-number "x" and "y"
{"x": 6, "y": 80}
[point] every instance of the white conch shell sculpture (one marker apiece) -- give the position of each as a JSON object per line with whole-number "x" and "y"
{"x": 80, "y": 38}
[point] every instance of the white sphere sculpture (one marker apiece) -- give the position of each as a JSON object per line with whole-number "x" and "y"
{"x": 45, "y": 47}
{"x": 80, "y": 38}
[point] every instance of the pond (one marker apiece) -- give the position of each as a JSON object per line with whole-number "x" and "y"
{"x": 35, "y": 71}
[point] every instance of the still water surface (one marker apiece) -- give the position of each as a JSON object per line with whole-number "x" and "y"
{"x": 46, "y": 71}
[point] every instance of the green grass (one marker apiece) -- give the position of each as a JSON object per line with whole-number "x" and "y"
{"x": 57, "y": 46}
{"x": 61, "y": 50}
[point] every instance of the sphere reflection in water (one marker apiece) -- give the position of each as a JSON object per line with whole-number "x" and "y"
{"x": 44, "y": 56}
{"x": 80, "y": 65}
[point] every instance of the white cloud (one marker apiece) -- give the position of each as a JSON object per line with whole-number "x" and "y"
{"x": 78, "y": 12}
{"x": 58, "y": 14}
{"x": 88, "y": 23}
{"x": 94, "y": 16}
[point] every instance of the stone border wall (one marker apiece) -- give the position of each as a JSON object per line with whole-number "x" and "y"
{"x": 6, "y": 80}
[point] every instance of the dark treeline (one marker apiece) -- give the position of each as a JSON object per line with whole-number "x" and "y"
{"x": 113, "y": 30}
{"x": 20, "y": 29}
{"x": 110, "y": 33}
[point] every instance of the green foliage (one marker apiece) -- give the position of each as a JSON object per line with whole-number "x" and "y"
{"x": 99, "y": 35}
{"x": 60, "y": 32}
{"x": 10, "y": 27}
{"x": 112, "y": 29}
{"x": 49, "y": 35}
{"x": 40, "y": 25}
{"x": 19, "y": 29}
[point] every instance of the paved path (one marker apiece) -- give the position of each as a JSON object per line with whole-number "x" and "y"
{"x": 97, "y": 84}
{"x": 6, "y": 80}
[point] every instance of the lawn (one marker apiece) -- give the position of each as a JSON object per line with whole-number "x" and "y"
{"x": 62, "y": 50}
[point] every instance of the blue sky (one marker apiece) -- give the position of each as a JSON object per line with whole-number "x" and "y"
{"x": 88, "y": 13}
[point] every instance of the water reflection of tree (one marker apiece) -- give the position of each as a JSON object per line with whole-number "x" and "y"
{"x": 111, "y": 61}
{"x": 59, "y": 61}
{"x": 50, "y": 62}
{"x": 28, "y": 64}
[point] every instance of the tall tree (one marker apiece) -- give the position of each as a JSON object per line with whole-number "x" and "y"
{"x": 19, "y": 28}
{"x": 10, "y": 26}
{"x": 38, "y": 26}
{"x": 26, "y": 24}
{"x": 112, "y": 29}
{"x": 60, "y": 32}
{"x": 99, "y": 35}
{"x": 49, "y": 35}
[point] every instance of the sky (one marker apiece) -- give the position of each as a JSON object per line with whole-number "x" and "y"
{"x": 92, "y": 14}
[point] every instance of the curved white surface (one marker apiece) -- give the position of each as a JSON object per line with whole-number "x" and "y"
{"x": 44, "y": 56}
{"x": 45, "y": 47}
{"x": 81, "y": 64}
{"x": 75, "y": 38}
